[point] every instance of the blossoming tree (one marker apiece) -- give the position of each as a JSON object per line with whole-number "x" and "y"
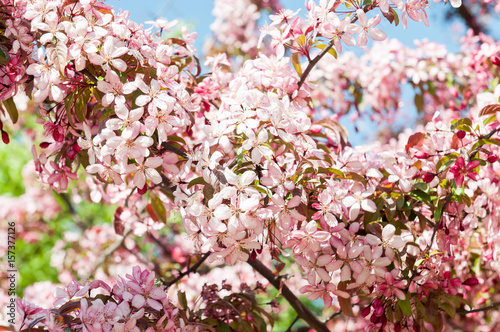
{"x": 245, "y": 174}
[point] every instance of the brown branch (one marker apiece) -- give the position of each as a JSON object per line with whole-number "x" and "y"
{"x": 188, "y": 271}
{"x": 296, "y": 304}
{"x": 108, "y": 252}
{"x": 470, "y": 20}
{"x": 465, "y": 312}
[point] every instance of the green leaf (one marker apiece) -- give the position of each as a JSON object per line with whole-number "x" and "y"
{"x": 223, "y": 327}
{"x": 449, "y": 309}
{"x": 181, "y": 296}
{"x": 10, "y": 107}
{"x": 159, "y": 208}
{"x": 437, "y": 213}
{"x": 196, "y": 181}
{"x": 396, "y": 17}
{"x": 331, "y": 50}
{"x": 446, "y": 161}
{"x": 405, "y": 306}
{"x": 4, "y": 56}
{"x": 464, "y": 121}
{"x": 419, "y": 102}
{"x": 296, "y": 63}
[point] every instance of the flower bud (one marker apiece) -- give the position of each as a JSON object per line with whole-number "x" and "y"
{"x": 471, "y": 282}
{"x": 492, "y": 158}
{"x": 495, "y": 60}
{"x": 143, "y": 190}
{"x": 366, "y": 311}
{"x": 428, "y": 177}
{"x": 460, "y": 134}
{"x": 421, "y": 155}
{"x": 5, "y": 137}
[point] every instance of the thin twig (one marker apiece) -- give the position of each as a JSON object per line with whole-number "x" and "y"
{"x": 436, "y": 226}
{"x": 296, "y": 304}
{"x": 465, "y": 312}
{"x": 188, "y": 271}
{"x": 337, "y": 313}
{"x": 318, "y": 57}
{"x": 108, "y": 252}
{"x": 289, "y": 329}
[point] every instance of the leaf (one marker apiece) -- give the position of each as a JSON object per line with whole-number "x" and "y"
{"x": 68, "y": 104}
{"x": 181, "y": 296}
{"x": 10, "y": 107}
{"x": 4, "y": 56}
{"x": 490, "y": 109}
{"x": 61, "y": 57}
{"x": 396, "y": 17}
{"x": 331, "y": 50}
{"x": 421, "y": 196}
{"x": 405, "y": 306}
{"x": 449, "y": 309}
{"x": 269, "y": 318}
{"x": 69, "y": 306}
{"x": 345, "y": 304}
{"x": 259, "y": 322}
{"x": 196, "y": 181}
{"x": 296, "y": 63}
{"x": 223, "y": 327}
{"x": 419, "y": 102}
{"x": 416, "y": 139}
{"x": 159, "y": 208}
{"x": 446, "y": 161}
{"x": 456, "y": 123}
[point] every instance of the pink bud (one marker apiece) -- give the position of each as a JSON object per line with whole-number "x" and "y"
{"x": 142, "y": 191}
{"x": 428, "y": 177}
{"x": 366, "y": 311}
{"x": 421, "y": 155}
{"x": 5, "y": 137}
{"x": 460, "y": 134}
{"x": 471, "y": 282}
{"x": 495, "y": 60}
{"x": 492, "y": 158}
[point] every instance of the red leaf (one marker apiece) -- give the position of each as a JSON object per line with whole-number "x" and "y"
{"x": 415, "y": 140}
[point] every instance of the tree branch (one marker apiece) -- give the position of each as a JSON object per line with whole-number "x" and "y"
{"x": 465, "y": 312}
{"x": 436, "y": 226}
{"x": 188, "y": 271}
{"x": 318, "y": 57}
{"x": 296, "y": 304}
{"x": 469, "y": 19}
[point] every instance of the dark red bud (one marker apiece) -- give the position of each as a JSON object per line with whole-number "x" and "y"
{"x": 428, "y": 177}
{"x": 460, "y": 134}
{"x": 366, "y": 311}
{"x": 142, "y": 190}
{"x": 249, "y": 317}
{"x": 421, "y": 155}
{"x": 253, "y": 255}
{"x": 5, "y": 137}
{"x": 44, "y": 145}
{"x": 259, "y": 251}
{"x": 495, "y": 60}
{"x": 471, "y": 282}
{"x": 76, "y": 147}
{"x": 492, "y": 158}
{"x": 71, "y": 154}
